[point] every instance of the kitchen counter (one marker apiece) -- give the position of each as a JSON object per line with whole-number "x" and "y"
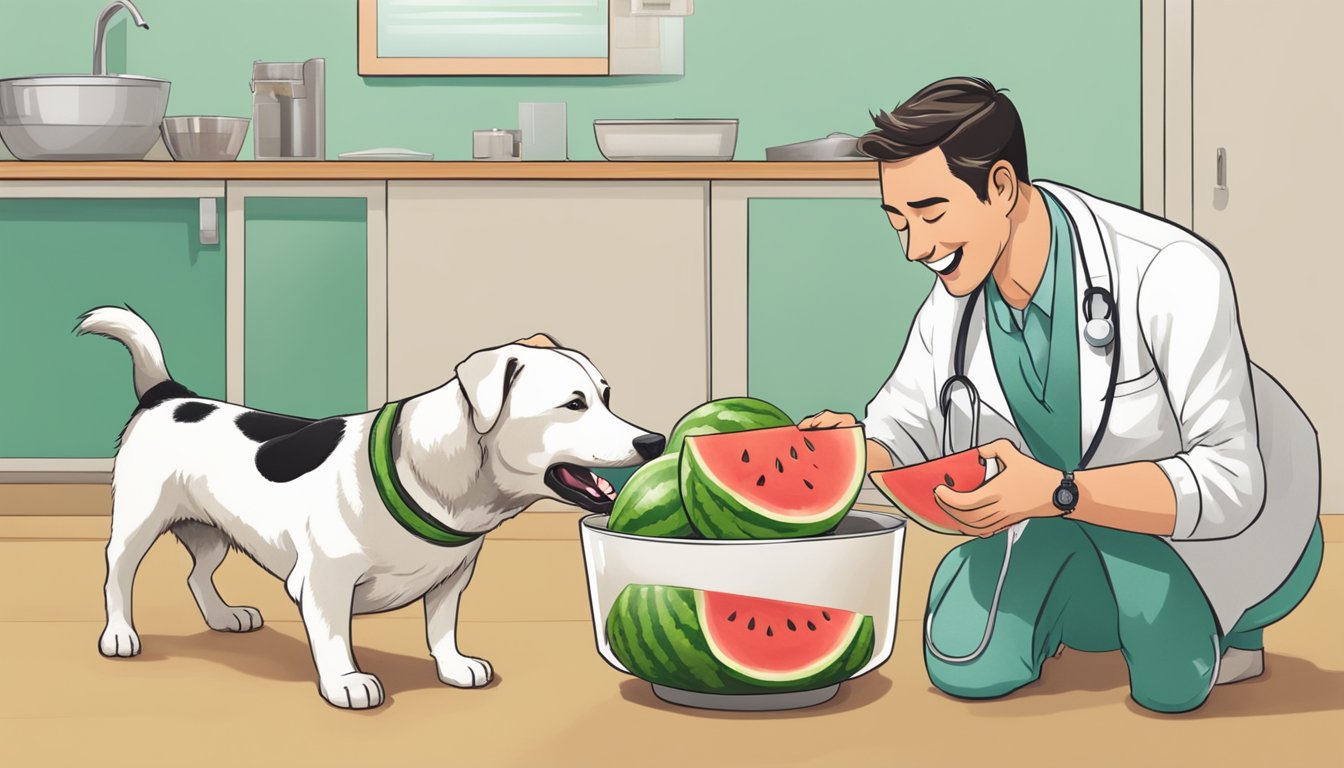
{"x": 449, "y": 170}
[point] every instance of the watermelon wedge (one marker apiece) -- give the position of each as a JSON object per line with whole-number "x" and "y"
{"x": 774, "y": 483}
{"x": 911, "y": 488}
{"x": 712, "y": 642}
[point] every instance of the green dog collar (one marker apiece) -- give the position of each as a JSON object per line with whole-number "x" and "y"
{"x": 399, "y": 503}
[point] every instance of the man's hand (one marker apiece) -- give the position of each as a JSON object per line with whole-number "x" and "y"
{"x": 828, "y": 420}
{"x": 1022, "y": 489}
{"x": 538, "y": 340}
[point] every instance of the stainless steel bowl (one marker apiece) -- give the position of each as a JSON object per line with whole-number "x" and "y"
{"x": 81, "y": 117}
{"x": 204, "y": 139}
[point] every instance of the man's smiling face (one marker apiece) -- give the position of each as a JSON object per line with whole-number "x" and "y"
{"x": 944, "y": 225}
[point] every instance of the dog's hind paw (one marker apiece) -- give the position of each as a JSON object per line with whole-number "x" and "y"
{"x": 465, "y": 672}
{"x": 240, "y": 618}
{"x": 119, "y": 640}
{"x": 355, "y": 690}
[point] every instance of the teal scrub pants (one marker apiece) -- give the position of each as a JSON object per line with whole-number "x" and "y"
{"x": 1093, "y": 589}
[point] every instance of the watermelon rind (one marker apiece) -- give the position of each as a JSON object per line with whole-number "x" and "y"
{"x": 650, "y": 502}
{"x": 718, "y": 513}
{"x": 656, "y": 634}
{"x": 727, "y": 414}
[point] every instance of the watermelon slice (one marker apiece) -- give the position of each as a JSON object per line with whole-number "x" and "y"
{"x": 728, "y": 414}
{"x": 712, "y": 642}
{"x": 911, "y": 488}
{"x": 771, "y": 483}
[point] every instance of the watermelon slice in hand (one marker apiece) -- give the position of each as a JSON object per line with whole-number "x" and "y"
{"x": 911, "y": 488}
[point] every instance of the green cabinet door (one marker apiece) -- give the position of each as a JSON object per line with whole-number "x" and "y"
{"x": 830, "y": 301}
{"x": 68, "y": 397}
{"x": 305, "y": 342}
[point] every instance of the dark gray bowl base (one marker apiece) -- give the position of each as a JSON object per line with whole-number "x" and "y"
{"x": 746, "y": 702}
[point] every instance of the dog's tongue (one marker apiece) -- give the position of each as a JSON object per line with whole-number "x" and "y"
{"x": 592, "y": 485}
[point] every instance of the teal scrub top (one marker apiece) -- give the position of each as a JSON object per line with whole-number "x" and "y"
{"x": 1035, "y": 353}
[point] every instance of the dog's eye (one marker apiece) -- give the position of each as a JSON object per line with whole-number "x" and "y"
{"x": 576, "y": 405}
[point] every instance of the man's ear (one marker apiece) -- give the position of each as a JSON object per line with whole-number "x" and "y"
{"x": 1003, "y": 186}
{"x": 486, "y": 378}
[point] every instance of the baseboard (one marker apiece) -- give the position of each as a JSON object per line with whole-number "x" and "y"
{"x": 55, "y": 499}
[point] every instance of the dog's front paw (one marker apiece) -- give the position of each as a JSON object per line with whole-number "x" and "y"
{"x": 354, "y": 690}
{"x": 119, "y": 640}
{"x": 235, "y": 619}
{"x": 465, "y": 671}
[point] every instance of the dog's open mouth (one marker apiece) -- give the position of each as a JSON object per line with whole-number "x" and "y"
{"x": 580, "y": 486}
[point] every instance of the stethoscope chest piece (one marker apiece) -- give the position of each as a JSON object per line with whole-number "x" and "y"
{"x": 1099, "y": 332}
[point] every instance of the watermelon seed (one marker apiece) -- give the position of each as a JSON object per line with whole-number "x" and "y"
{"x": 808, "y": 484}
{"x": 761, "y": 481}
{"x": 751, "y": 624}
{"x": 811, "y": 627}
{"x": 779, "y": 466}
{"x": 809, "y": 445}
{"x": 732, "y": 616}
{"x": 793, "y": 453}
{"x": 948, "y": 479}
{"x": 792, "y": 628}
{"x": 825, "y": 615}
{"x": 814, "y": 466}
{"x": 745, "y": 457}
{"x": 769, "y": 632}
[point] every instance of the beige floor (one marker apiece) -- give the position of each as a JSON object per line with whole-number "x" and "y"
{"x": 196, "y": 697}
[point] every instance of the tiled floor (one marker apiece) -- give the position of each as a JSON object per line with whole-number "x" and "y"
{"x": 196, "y": 697}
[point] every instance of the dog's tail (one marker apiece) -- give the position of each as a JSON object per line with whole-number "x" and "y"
{"x": 127, "y": 327}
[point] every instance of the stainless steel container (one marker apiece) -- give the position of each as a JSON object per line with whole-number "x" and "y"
{"x": 289, "y": 111}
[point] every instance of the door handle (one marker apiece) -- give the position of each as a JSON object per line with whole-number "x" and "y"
{"x": 1220, "y": 170}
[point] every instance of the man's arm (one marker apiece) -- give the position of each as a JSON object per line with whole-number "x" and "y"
{"x": 1214, "y": 487}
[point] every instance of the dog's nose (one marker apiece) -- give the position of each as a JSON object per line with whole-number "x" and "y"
{"x": 650, "y": 446}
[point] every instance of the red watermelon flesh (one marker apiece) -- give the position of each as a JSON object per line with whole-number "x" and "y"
{"x": 774, "y": 640}
{"x": 786, "y": 472}
{"x": 911, "y": 488}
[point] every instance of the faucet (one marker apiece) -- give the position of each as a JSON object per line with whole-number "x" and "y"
{"x": 100, "y": 31}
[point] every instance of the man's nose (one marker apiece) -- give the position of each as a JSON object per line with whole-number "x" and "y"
{"x": 650, "y": 446}
{"x": 920, "y": 253}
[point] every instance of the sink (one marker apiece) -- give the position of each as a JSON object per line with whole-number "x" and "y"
{"x": 81, "y": 117}
{"x": 84, "y": 117}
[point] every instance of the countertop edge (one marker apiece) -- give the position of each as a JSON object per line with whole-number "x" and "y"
{"x": 741, "y": 170}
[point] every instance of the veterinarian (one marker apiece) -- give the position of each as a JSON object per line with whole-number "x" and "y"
{"x": 1157, "y": 493}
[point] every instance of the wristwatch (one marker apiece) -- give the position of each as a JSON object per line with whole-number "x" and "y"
{"x": 1066, "y": 495}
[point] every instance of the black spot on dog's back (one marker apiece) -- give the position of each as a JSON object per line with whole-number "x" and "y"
{"x": 190, "y": 413}
{"x": 259, "y": 426}
{"x": 165, "y": 390}
{"x": 290, "y": 456}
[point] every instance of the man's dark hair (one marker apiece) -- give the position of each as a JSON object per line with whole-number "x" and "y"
{"x": 975, "y": 125}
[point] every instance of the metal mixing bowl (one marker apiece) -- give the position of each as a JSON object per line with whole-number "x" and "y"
{"x": 204, "y": 139}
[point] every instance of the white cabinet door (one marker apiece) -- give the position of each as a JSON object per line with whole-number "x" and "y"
{"x": 1267, "y": 120}
{"x": 617, "y": 270}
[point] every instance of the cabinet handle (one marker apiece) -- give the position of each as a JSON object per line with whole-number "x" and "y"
{"x": 1220, "y": 170}
{"x": 209, "y": 222}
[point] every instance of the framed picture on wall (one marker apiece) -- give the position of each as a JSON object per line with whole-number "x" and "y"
{"x": 484, "y": 37}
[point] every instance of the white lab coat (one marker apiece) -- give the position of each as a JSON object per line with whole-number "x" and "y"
{"x": 1242, "y": 457}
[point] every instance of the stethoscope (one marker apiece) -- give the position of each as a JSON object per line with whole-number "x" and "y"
{"x": 1099, "y": 332}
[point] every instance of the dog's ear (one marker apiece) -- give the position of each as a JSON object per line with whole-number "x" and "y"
{"x": 486, "y": 378}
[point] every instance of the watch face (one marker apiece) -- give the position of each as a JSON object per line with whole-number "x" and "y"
{"x": 1065, "y": 498}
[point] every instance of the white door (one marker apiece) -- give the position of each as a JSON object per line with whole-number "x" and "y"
{"x": 1268, "y": 107}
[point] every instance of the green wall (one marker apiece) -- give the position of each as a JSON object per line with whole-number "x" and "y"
{"x": 789, "y": 70}
{"x": 829, "y": 290}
